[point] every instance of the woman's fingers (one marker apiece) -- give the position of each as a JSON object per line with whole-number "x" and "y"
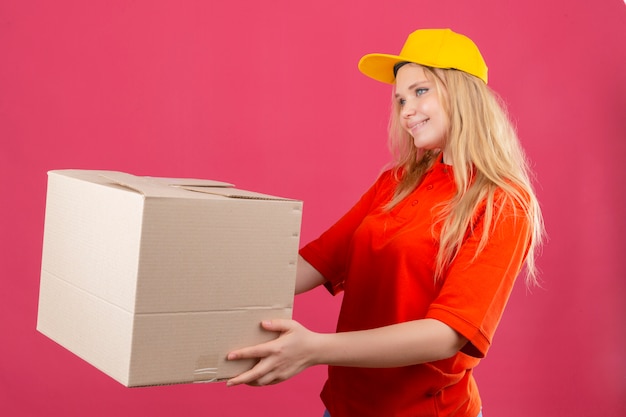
{"x": 264, "y": 349}
{"x": 250, "y": 377}
{"x": 280, "y": 358}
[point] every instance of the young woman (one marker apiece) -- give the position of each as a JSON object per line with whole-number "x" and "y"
{"x": 428, "y": 257}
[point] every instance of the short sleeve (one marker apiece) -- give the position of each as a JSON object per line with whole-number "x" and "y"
{"x": 476, "y": 289}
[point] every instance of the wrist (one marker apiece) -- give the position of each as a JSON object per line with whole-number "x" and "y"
{"x": 320, "y": 348}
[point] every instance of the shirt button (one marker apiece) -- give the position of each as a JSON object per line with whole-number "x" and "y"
{"x": 430, "y": 187}
{"x": 414, "y": 203}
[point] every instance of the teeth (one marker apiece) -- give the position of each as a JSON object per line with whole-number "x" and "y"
{"x": 418, "y": 124}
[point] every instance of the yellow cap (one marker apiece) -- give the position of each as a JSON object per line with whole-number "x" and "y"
{"x": 438, "y": 48}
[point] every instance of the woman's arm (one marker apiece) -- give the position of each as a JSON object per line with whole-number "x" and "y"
{"x": 307, "y": 277}
{"x": 298, "y": 348}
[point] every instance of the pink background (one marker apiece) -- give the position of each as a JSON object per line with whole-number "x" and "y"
{"x": 267, "y": 95}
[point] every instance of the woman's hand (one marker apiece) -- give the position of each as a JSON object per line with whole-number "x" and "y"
{"x": 280, "y": 359}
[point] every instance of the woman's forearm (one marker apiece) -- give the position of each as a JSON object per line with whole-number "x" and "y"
{"x": 402, "y": 344}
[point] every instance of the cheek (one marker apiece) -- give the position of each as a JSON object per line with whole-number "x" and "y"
{"x": 445, "y": 120}
{"x": 441, "y": 115}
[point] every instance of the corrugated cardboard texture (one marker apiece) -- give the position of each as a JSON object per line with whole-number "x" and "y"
{"x": 154, "y": 283}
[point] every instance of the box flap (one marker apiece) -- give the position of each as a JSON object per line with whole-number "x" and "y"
{"x": 192, "y": 182}
{"x": 233, "y": 193}
{"x": 167, "y": 187}
{"x": 159, "y": 187}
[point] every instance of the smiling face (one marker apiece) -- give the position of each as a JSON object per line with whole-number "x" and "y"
{"x": 422, "y": 114}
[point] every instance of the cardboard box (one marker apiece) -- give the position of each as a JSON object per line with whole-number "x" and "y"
{"x": 153, "y": 281}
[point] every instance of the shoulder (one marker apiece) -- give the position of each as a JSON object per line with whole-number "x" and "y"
{"x": 512, "y": 197}
{"x": 388, "y": 179}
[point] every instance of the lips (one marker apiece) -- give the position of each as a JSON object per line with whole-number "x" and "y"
{"x": 417, "y": 125}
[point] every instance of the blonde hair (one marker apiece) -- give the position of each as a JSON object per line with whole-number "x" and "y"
{"x": 490, "y": 167}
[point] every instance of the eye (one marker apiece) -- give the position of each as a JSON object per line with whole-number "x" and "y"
{"x": 421, "y": 91}
{"x": 401, "y": 102}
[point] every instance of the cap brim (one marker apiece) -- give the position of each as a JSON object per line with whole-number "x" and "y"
{"x": 380, "y": 66}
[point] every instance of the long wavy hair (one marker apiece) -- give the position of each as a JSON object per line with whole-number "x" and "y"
{"x": 490, "y": 166}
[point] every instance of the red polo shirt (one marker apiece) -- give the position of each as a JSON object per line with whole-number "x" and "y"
{"x": 384, "y": 261}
